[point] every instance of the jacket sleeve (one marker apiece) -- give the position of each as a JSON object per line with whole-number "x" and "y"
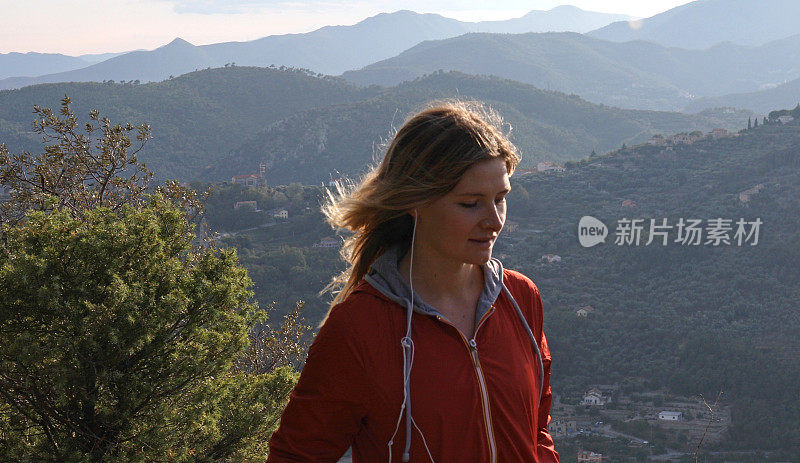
{"x": 545, "y": 450}
{"x": 327, "y": 406}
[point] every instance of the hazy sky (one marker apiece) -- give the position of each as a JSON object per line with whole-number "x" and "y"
{"x": 76, "y": 27}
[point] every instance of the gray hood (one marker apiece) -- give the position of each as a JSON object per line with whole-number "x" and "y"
{"x": 385, "y": 277}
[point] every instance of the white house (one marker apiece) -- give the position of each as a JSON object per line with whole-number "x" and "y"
{"x": 719, "y": 133}
{"x": 510, "y": 226}
{"x": 744, "y": 196}
{"x": 544, "y": 166}
{"x": 239, "y": 204}
{"x": 280, "y": 214}
{"x": 670, "y": 416}
{"x": 785, "y": 119}
{"x": 550, "y": 258}
{"x": 328, "y": 242}
{"x": 595, "y": 397}
{"x": 584, "y": 311}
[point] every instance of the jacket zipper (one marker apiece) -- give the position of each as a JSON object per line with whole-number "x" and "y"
{"x": 472, "y": 346}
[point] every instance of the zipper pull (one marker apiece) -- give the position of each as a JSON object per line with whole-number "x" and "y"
{"x": 472, "y": 344}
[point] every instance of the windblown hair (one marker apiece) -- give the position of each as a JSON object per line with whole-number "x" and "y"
{"x": 424, "y": 161}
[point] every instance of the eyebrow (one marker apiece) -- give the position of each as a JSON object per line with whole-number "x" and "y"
{"x": 481, "y": 194}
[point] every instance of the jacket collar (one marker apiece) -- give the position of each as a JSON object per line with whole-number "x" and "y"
{"x": 385, "y": 277}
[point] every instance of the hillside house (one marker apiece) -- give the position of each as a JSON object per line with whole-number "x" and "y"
{"x": 328, "y": 242}
{"x": 719, "y": 133}
{"x": 682, "y": 138}
{"x": 584, "y": 311}
{"x": 594, "y": 397}
{"x": 280, "y": 214}
{"x": 785, "y": 119}
{"x": 545, "y": 166}
{"x": 744, "y": 196}
{"x": 670, "y": 416}
{"x": 252, "y": 180}
{"x": 550, "y": 258}
{"x": 560, "y": 428}
{"x": 628, "y": 203}
{"x": 657, "y": 140}
{"x": 510, "y": 226}
{"x": 585, "y": 456}
{"x": 239, "y": 204}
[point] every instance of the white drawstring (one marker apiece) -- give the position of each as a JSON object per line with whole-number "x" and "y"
{"x": 408, "y": 361}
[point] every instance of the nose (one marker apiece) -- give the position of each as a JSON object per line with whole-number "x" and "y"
{"x": 495, "y": 219}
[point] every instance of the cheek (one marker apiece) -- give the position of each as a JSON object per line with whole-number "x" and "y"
{"x": 452, "y": 227}
{"x": 463, "y": 224}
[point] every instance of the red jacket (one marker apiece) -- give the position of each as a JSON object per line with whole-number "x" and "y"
{"x": 475, "y": 404}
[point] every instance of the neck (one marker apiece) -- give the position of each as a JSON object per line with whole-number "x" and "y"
{"x": 436, "y": 279}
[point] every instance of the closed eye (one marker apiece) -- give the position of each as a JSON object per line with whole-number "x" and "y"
{"x": 470, "y": 205}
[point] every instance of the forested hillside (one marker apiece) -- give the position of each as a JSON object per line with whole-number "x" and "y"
{"x": 196, "y": 118}
{"x": 220, "y": 122}
{"x": 553, "y": 126}
{"x": 695, "y": 319}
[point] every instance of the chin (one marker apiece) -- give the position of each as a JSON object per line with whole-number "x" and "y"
{"x": 479, "y": 259}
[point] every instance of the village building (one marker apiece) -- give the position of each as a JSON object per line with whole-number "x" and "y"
{"x": 545, "y": 166}
{"x": 684, "y": 138}
{"x": 561, "y": 428}
{"x": 628, "y": 203}
{"x": 252, "y": 180}
{"x": 550, "y": 258}
{"x": 595, "y": 397}
{"x": 744, "y": 196}
{"x": 328, "y": 242}
{"x": 239, "y": 204}
{"x": 585, "y": 456}
{"x": 785, "y": 119}
{"x": 510, "y": 226}
{"x": 584, "y": 311}
{"x": 280, "y": 214}
{"x": 719, "y": 133}
{"x": 670, "y": 416}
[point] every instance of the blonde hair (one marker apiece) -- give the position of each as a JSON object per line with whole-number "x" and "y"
{"x": 424, "y": 161}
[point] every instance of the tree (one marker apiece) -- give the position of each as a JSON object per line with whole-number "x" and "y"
{"x": 121, "y": 337}
{"x": 75, "y": 172}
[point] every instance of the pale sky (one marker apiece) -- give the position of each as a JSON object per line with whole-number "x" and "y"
{"x": 75, "y": 27}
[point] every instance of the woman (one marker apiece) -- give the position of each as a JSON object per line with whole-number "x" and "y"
{"x": 431, "y": 350}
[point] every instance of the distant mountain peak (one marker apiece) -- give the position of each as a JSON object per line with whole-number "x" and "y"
{"x": 565, "y": 8}
{"x": 178, "y": 42}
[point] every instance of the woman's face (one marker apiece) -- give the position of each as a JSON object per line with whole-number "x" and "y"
{"x": 463, "y": 225}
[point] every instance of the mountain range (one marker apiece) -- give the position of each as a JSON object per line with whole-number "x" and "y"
{"x": 631, "y": 74}
{"x": 704, "y": 23}
{"x": 36, "y": 64}
{"x": 220, "y": 122}
{"x": 329, "y": 50}
{"x": 785, "y": 95}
